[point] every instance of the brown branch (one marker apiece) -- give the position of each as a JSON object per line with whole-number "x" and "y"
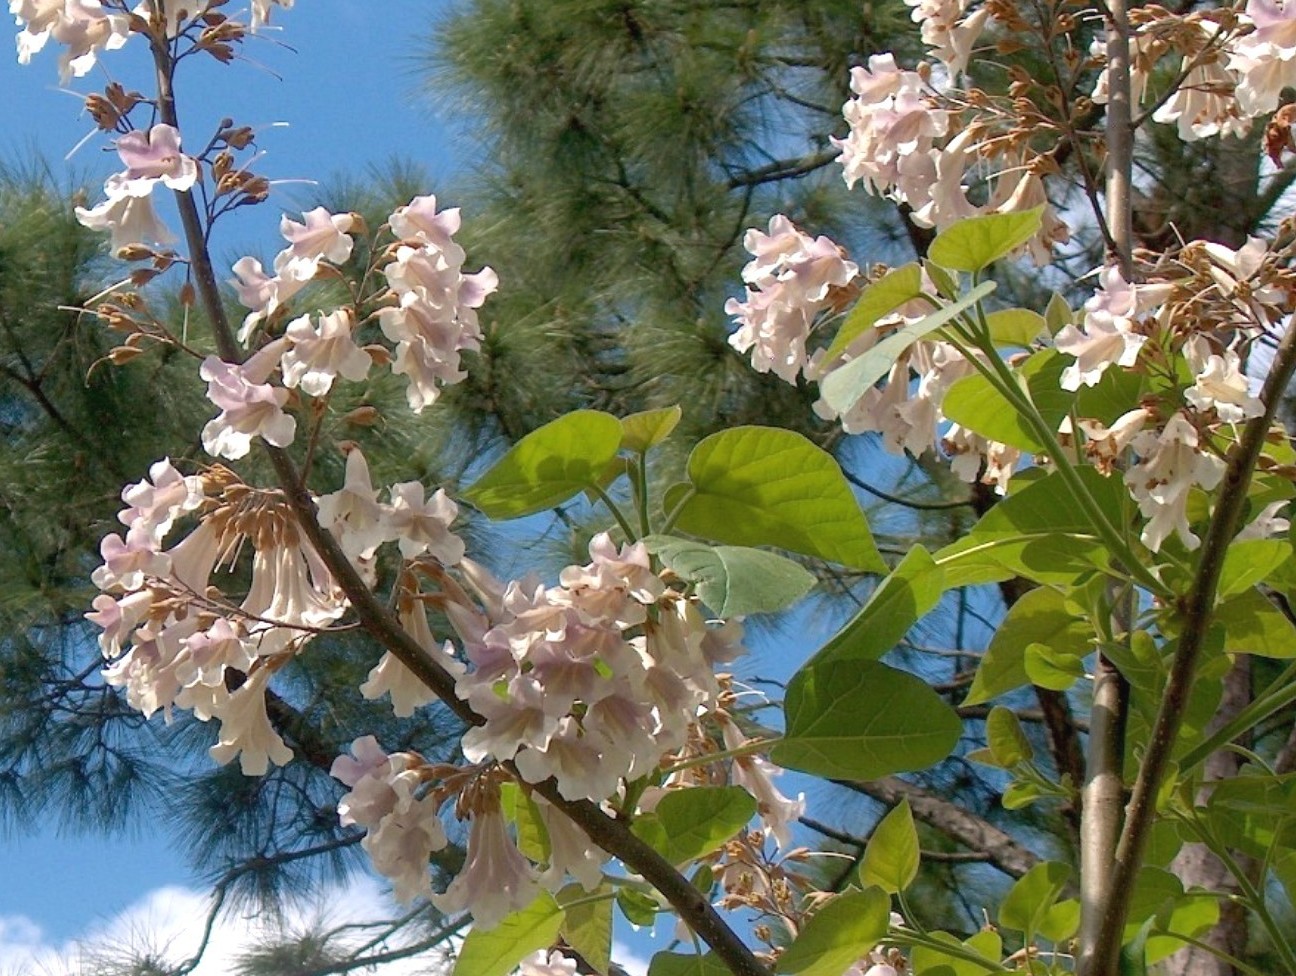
{"x": 960, "y": 825}
{"x": 611, "y": 835}
{"x": 1195, "y": 612}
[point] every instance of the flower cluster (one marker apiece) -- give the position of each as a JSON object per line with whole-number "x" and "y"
{"x": 398, "y": 800}
{"x": 1210, "y": 292}
{"x": 322, "y": 236}
{"x": 908, "y": 143}
{"x": 590, "y": 681}
{"x": 433, "y": 317}
{"x": 82, "y": 27}
{"x": 790, "y": 280}
{"x": 174, "y": 639}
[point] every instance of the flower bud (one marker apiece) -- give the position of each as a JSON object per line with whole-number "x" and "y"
{"x": 365, "y": 416}
{"x": 121, "y": 355}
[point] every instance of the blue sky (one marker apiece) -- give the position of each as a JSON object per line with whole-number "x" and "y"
{"x": 351, "y": 91}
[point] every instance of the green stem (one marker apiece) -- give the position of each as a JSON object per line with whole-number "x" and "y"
{"x": 747, "y": 749}
{"x": 997, "y": 373}
{"x": 907, "y": 911}
{"x": 641, "y": 494}
{"x": 1253, "y": 897}
{"x": 1280, "y": 694}
{"x": 617, "y": 514}
{"x": 909, "y": 937}
{"x": 669, "y": 524}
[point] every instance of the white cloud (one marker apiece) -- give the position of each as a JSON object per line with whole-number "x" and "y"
{"x": 168, "y": 923}
{"x": 629, "y": 959}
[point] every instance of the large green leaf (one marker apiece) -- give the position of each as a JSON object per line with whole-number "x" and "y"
{"x": 862, "y": 720}
{"x": 976, "y": 243}
{"x": 549, "y": 465}
{"x": 587, "y": 924}
{"x": 734, "y": 580}
{"x": 1053, "y": 668}
{"x": 1040, "y": 532}
{"x": 1248, "y": 562}
{"x": 496, "y": 951}
{"x": 1041, "y": 616}
{"x": 975, "y": 403}
{"x": 640, "y": 431}
{"x": 761, "y": 486}
{"x": 930, "y": 961}
{"x": 1015, "y": 327}
{"x": 1253, "y": 625}
{"x": 891, "y": 856}
{"x": 843, "y": 387}
{"x": 899, "y": 601}
{"x": 687, "y": 964}
{"x": 686, "y": 824}
{"x": 841, "y": 931}
{"x": 1032, "y": 897}
{"x": 1006, "y": 739}
{"x": 893, "y": 289}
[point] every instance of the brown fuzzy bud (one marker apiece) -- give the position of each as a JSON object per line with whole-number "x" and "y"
{"x": 188, "y": 297}
{"x": 121, "y": 355}
{"x": 135, "y": 252}
{"x": 365, "y": 416}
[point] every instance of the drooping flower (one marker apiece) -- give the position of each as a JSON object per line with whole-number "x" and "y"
{"x": 496, "y": 879}
{"x": 250, "y": 406}
{"x": 1219, "y": 383}
{"x": 318, "y": 355}
{"x": 352, "y": 513}
{"x": 1265, "y": 60}
{"x": 1109, "y": 335}
{"x": 1171, "y": 464}
{"x": 421, "y": 526}
{"x": 245, "y": 730}
{"x": 152, "y": 157}
{"x": 82, "y": 27}
{"x": 323, "y": 236}
{"x": 154, "y": 505}
{"x": 129, "y": 219}
{"x": 260, "y": 292}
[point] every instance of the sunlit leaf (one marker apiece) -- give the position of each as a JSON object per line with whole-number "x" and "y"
{"x": 900, "y": 601}
{"x": 587, "y": 924}
{"x": 496, "y": 951}
{"x": 762, "y": 486}
{"x": 978, "y": 242}
{"x": 640, "y": 431}
{"x": 844, "y": 929}
{"x": 549, "y": 465}
{"x": 734, "y": 580}
{"x": 842, "y": 388}
{"x": 1032, "y": 896}
{"x": 863, "y": 720}
{"x": 1040, "y": 617}
{"x": 893, "y": 289}
{"x": 891, "y": 856}
{"x": 686, "y": 824}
